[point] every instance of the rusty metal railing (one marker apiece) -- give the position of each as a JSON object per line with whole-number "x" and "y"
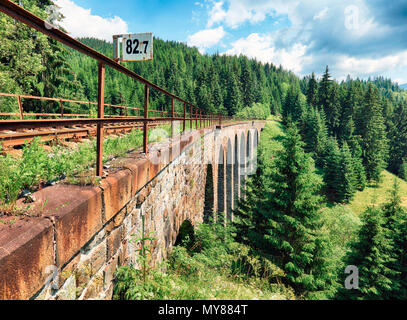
{"x": 201, "y": 117}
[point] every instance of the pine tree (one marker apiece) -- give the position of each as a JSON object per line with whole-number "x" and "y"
{"x": 312, "y": 91}
{"x": 371, "y": 253}
{"x": 250, "y": 225}
{"x": 233, "y": 102}
{"x": 347, "y": 179}
{"x": 347, "y": 124}
{"x": 333, "y": 110}
{"x": 398, "y": 139}
{"x": 332, "y": 164}
{"x": 324, "y": 90}
{"x": 396, "y": 227}
{"x": 293, "y": 107}
{"x": 246, "y": 80}
{"x": 374, "y": 141}
{"x": 292, "y": 209}
{"x": 314, "y": 133}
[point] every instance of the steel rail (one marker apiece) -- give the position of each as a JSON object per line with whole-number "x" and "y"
{"x": 41, "y": 123}
{"x": 9, "y": 141}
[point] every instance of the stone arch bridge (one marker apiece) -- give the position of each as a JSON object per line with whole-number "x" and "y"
{"x": 74, "y": 238}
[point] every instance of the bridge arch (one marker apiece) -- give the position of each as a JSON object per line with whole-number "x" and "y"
{"x": 229, "y": 180}
{"x": 221, "y": 208}
{"x": 186, "y": 233}
{"x": 209, "y": 194}
{"x": 256, "y": 139}
{"x": 242, "y": 163}
{"x": 236, "y": 178}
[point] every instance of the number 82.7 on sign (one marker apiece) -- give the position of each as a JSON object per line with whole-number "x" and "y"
{"x": 137, "y": 47}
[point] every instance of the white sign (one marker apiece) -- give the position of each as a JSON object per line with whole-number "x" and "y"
{"x": 137, "y": 47}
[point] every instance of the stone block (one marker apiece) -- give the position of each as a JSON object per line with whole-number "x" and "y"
{"x": 68, "y": 290}
{"x": 95, "y": 259}
{"x": 113, "y": 242}
{"x": 132, "y": 166}
{"x": 77, "y": 215}
{"x": 116, "y": 192}
{"x": 109, "y": 271}
{"x": 26, "y": 254}
{"x": 69, "y": 269}
{"x": 142, "y": 173}
{"x": 94, "y": 288}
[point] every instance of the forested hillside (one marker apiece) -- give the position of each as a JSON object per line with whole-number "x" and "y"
{"x": 335, "y": 139}
{"x": 216, "y": 83}
{"x": 358, "y": 121}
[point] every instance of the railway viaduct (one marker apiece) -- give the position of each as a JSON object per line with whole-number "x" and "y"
{"x": 75, "y": 237}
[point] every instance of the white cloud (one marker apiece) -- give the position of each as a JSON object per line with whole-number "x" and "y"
{"x": 80, "y": 22}
{"x": 262, "y": 48}
{"x": 347, "y": 35}
{"x": 369, "y": 66}
{"x": 207, "y": 38}
{"x": 320, "y": 15}
{"x": 240, "y": 11}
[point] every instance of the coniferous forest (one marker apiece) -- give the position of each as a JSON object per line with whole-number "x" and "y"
{"x": 339, "y": 138}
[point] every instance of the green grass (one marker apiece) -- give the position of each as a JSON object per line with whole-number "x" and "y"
{"x": 76, "y": 165}
{"x": 206, "y": 269}
{"x": 377, "y": 195}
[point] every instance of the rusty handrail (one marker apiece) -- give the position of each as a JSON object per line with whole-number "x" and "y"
{"x": 60, "y": 100}
{"x": 31, "y": 20}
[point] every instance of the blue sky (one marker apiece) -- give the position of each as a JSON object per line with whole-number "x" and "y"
{"x": 358, "y": 37}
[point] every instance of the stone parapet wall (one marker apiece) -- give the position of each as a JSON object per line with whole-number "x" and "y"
{"x": 75, "y": 237}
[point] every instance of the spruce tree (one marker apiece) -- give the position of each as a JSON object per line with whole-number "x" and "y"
{"x": 360, "y": 173}
{"x": 396, "y": 228}
{"x": 398, "y": 139}
{"x": 292, "y": 208}
{"x": 371, "y": 253}
{"x": 312, "y": 91}
{"x": 250, "y": 225}
{"x": 314, "y": 133}
{"x": 324, "y": 90}
{"x": 347, "y": 178}
{"x": 332, "y": 164}
{"x": 374, "y": 140}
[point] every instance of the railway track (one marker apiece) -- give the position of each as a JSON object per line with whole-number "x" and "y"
{"x": 12, "y": 140}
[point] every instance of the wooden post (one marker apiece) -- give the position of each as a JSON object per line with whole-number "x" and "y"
{"x": 20, "y": 107}
{"x": 145, "y": 131}
{"x": 196, "y": 118}
{"x": 101, "y": 114}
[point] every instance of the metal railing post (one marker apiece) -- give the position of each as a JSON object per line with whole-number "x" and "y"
{"x": 145, "y": 126}
{"x": 185, "y": 114}
{"x": 172, "y": 117}
{"x": 190, "y": 118}
{"x": 101, "y": 114}
{"x": 20, "y": 107}
{"x": 62, "y": 108}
